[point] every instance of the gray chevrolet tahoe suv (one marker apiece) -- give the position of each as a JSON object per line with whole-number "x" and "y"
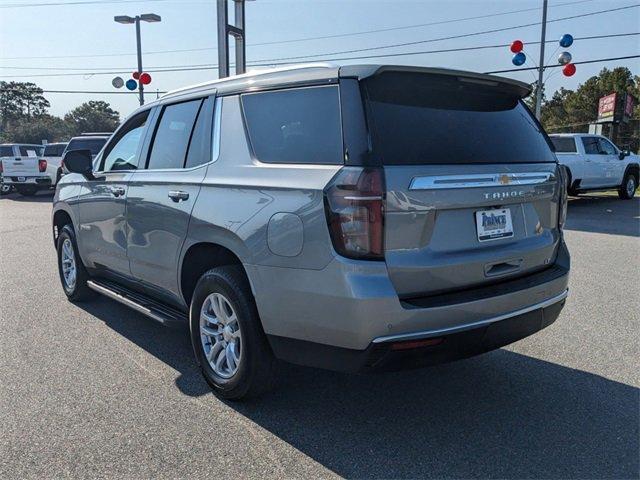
{"x": 353, "y": 218}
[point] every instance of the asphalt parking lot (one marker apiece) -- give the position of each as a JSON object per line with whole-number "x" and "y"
{"x": 97, "y": 390}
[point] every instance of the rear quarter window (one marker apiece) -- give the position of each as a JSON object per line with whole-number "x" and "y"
{"x": 564, "y": 144}
{"x": 6, "y": 151}
{"x": 299, "y": 125}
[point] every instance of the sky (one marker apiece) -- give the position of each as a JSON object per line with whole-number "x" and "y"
{"x": 44, "y": 40}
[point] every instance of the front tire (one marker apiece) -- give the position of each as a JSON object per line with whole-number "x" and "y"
{"x": 73, "y": 275}
{"x": 227, "y": 336}
{"x": 628, "y": 188}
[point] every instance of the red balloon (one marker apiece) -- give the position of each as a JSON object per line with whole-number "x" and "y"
{"x": 145, "y": 78}
{"x": 517, "y": 46}
{"x": 136, "y": 75}
{"x": 569, "y": 69}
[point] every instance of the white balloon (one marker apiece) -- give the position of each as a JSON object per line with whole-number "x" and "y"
{"x": 117, "y": 82}
{"x": 564, "y": 58}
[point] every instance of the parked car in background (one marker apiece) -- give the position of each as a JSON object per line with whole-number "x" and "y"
{"x": 326, "y": 216}
{"x": 87, "y": 141}
{"x": 21, "y": 168}
{"x": 52, "y": 155}
{"x": 594, "y": 163}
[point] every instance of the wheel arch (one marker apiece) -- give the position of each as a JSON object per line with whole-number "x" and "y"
{"x": 203, "y": 256}
{"x": 634, "y": 169}
{"x": 61, "y": 218}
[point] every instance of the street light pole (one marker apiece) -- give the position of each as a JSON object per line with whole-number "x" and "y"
{"x": 139, "y": 50}
{"x": 539, "y": 86}
{"x": 146, "y": 17}
{"x": 237, "y": 31}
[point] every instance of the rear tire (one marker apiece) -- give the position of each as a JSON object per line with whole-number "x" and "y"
{"x": 628, "y": 188}
{"x": 27, "y": 191}
{"x": 73, "y": 275}
{"x": 5, "y": 189}
{"x": 227, "y": 336}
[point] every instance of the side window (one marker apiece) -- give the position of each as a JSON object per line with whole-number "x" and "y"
{"x": 199, "y": 151}
{"x": 606, "y": 148}
{"x": 122, "y": 152}
{"x": 590, "y": 145}
{"x": 6, "y": 151}
{"x": 299, "y": 125}
{"x": 172, "y": 136}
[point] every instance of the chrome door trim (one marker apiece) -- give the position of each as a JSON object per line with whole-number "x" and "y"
{"x": 439, "y": 182}
{"x": 469, "y": 326}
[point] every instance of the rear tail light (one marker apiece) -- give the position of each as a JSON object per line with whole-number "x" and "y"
{"x": 563, "y": 198}
{"x": 42, "y": 165}
{"x": 1, "y": 170}
{"x": 354, "y": 204}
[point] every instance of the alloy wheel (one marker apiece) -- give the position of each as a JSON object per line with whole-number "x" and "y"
{"x": 220, "y": 335}
{"x": 68, "y": 259}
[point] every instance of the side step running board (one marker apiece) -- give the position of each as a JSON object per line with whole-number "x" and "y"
{"x": 145, "y": 305}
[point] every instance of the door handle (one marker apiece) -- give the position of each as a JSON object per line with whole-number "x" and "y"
{"x": 116, "y": 191}
{"x": 178, "y": 195}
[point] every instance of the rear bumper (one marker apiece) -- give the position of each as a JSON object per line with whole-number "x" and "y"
{"x": 39, "y": 180}
{"x": 420, "y": 349}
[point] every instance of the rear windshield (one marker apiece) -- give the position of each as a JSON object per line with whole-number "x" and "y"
{"x": 93, "y": 144}
{"x": 30, "y": 150}
{"x": 564, "y": 144}
{"x": 417, "y": 118}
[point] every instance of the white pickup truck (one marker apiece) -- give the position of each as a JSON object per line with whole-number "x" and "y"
{"x": 20, "y": 167}
{"x": 594, "y": 163}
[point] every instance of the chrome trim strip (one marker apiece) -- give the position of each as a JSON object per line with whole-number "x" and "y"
{"x": 126, "y": 301}
{"x": 469, "y": 326}
{"x": 479, "y": 180}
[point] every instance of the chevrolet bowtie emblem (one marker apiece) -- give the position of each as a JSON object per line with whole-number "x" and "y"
{"x": 504, "y": 179}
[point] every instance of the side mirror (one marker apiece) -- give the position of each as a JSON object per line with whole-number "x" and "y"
{"x": 623, "y": 153}
{"x": 79, "y": 161}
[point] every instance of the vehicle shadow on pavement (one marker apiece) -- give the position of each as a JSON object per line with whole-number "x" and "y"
{"x": 40, "y": 197}
{"x": 604, "y": 214}
{"x": 500, "y": 415}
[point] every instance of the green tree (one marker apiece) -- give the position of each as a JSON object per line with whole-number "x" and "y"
{"x": 92, "y": 116}
{"x": 18, "y": 100}
{"x": 35, "y": 128}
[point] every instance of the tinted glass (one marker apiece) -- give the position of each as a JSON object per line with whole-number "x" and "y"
{"x": 590, "y": 145}
{"x": 172, "y": 136}
{"x": 122, "y": 151}
{"x": 199, "y": 151}
{"x": 417, "y": 118}
{"x": 6, "y": 151}
{"x": 295, "y": 126}
{"x": 30, "y": 151}
{"x": 53, "y": 150}
{"x": 564, "y": 144}
{"x": 606, "y": 147}
{"x": 93, "y": 144}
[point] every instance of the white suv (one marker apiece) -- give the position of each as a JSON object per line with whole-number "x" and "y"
{"x": 593, "y": 162}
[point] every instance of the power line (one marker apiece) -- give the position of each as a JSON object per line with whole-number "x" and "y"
{"x": 599, "y": 60}
{"x": 200, "y": 67}
{"x": 112, "y": 92}
{"x": 78, "y": 2}
{"x": 451, "y": 37}
{"x": 304, "y": 39}
{"x": 113, "y": 70}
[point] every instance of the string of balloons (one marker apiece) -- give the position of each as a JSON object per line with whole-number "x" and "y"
{"x": 564, "y": 58}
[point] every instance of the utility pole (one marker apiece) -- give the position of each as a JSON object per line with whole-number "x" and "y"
{"x": 539, "y": 86}
{"x": 139, "y": 51}
{"x": 237, "y": 30}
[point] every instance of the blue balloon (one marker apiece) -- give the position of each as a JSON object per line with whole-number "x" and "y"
{"x": 566, "y": 40}
{"x": 131, "y": 84}
{"x": 519, "y": 59}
